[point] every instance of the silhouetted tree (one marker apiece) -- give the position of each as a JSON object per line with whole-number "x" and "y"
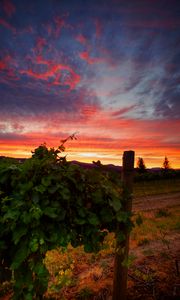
{"x": 141, "y": 165}
{"x": 97, "y": 163}
{"x": 166, "y": 164}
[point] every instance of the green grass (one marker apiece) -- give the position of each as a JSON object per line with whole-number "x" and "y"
{"x": 156, "y": 187}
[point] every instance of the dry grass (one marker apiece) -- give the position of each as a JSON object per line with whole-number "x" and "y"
{"x": 89, "y": 275}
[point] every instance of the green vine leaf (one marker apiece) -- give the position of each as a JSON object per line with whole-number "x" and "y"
{"x": 79, "y": 221}
{"x": 115, "y": 203}
{"x": 50, "y": 212}
{"x": 18, "y": 234}
{"x": 93, "y": 219}
{"x": 28, "y": 296}
{"x": 122, "y": 216}
{"x": 139, "y": 220}
{"x": 34, "y": 245}
{"x": 106, "y": 215}
{"x": 20, "y": 256}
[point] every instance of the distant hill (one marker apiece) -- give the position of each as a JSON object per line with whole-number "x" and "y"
{"x": 19, "y": 159}
{"x": 94, "y": 165}
{"x": 90, "y": 165}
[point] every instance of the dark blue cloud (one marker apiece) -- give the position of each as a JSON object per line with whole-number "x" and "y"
{"x": 25, "y": 100}
{"x": 38, "y": 35}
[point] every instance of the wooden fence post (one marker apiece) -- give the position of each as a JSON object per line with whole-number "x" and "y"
{"x": 122, "y": 247}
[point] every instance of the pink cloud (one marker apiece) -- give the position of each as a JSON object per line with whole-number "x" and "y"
{"x": 9, "y": 8}
{"x": 7, "y": 65}
{"x": 81, "y": 39}
{"x": 29, "y": 29}
{"x": 7, "y": 25}
{"x": 17, "y": 126}
{"x": 41, "y": 42}
{"x": 88, "y": 111}
{"x": 2, "y": 65}
{"x": 90, "y": 60}
{"x": 37, "y": 50}
{"x": 60, "y": 23}
{"x": 85, "y": 55}
{"x": 54, "y": 28}
{"x": 48, "y": 28}
{"x": 55, "y": 72}
{"x": 124, "y": 110}
{"x": 40, "y": 60}
{"x": 98, "y": 26}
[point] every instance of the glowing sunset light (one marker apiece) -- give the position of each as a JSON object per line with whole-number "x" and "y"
{"x": 108, "y": 70}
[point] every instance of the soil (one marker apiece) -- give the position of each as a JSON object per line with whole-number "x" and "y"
{"x": 154, "y": 202}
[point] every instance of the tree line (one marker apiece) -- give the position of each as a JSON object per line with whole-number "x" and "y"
{"x": 141, "y": 167}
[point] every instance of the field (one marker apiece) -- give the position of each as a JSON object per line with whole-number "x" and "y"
{"x": 153, "y": 260}
{"x": 156, "y": 187}
{"x": 154, "y": 253}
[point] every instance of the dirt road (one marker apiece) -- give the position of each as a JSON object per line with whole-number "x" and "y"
{"x": 154, "y": 202}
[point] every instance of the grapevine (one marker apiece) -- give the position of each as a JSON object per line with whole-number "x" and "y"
{"x": 48, "y": 202}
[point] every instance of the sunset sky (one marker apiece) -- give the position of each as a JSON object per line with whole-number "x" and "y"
{"x": 109, "y": 70}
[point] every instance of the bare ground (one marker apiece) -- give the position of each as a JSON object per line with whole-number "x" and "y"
{"x": 154, "y": 202}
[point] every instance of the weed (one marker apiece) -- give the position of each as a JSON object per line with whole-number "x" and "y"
{"x": 129, "y": 261}
{"x": 143, "y": 242}
{"x": 177, "y": 226}
{"x": 139, "y": 219}
{"x": 60, "y": 265}
{"x": 147, "y": 276}
{"x": 148, "y": 252}
{"x": 104, "y": 265}
{"x": 165, "y": 255}
{"x": 163, "y": 236}
{"x": 93, "y": 258}
{"x": 85, "y": 294}
{"x": 162, "y": 213}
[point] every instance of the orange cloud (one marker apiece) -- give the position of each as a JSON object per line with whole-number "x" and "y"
{"x": 100, "y": 136}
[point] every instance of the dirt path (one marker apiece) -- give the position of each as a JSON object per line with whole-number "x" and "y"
{"x": 154, "y": 202}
